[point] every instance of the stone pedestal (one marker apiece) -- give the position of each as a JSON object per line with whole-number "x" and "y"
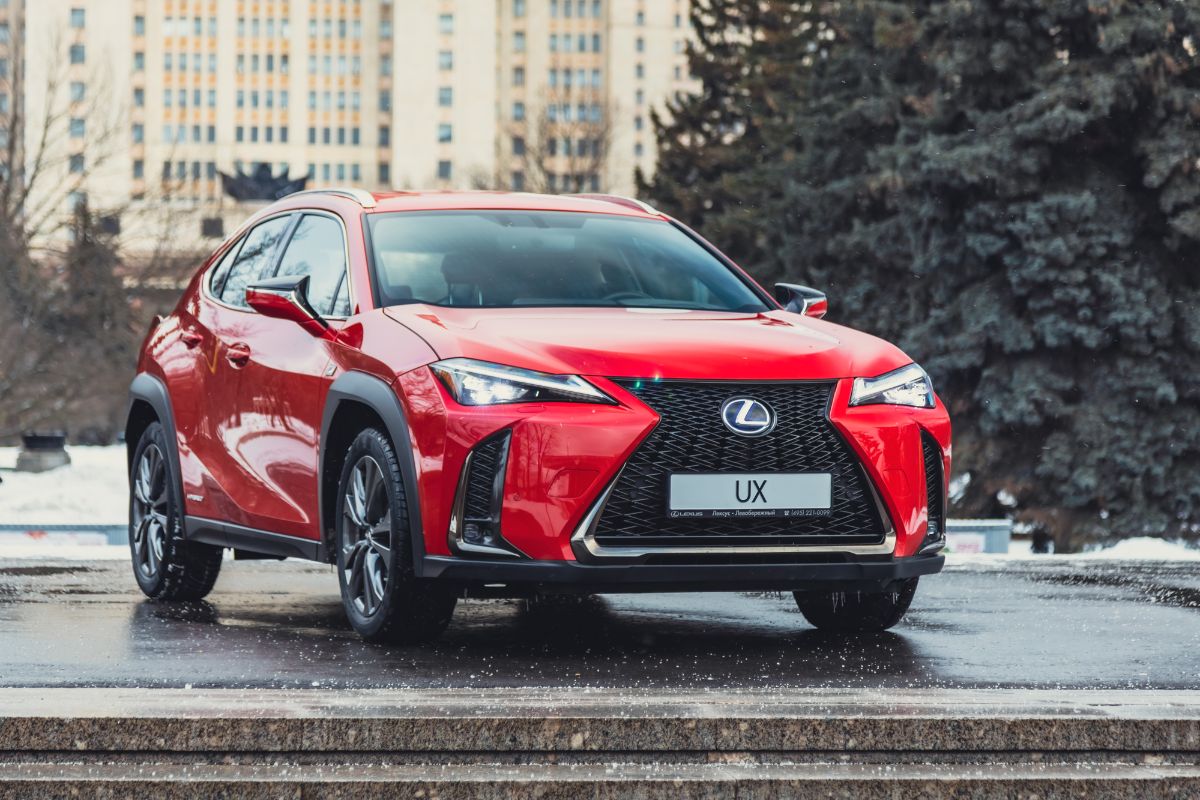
{"x": 41, "y": 452}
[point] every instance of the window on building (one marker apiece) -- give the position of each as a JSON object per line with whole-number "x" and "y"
{"x": 445, "y": 96}
{"x": 445, "y": 60}
{"x": 640, "y": 44}
{"x": 75, "y": 164}
{"x": 444, "y": 170}
{"x": 139, "y": 26}
{"x": 518, "y": 145}
{"x": 446, "y": 24}
{"x": 519, "y": 41}
{"x": 385, "y": 100}
{"x": 445, "y": 133}
{"x": 640, "y": 70}
{"x": 385, "y": 174}
{"x": 518, "y": 181}
{"x": 78, "y": 91}
{"x": 518, "y": 8}
{"x": 641, "y": 18}
{"x": 139, "y": 133}
{"x": 239, "y": 134}
{"x": 597, "y": 9}
{"x": 518, "y": 111}
{"x": 139, "y": 169}
{"x": 78, "y": 54}
{"x": 385, "y": 136}
{"x": 139, "y": 61}
{"x": 554, "y": 8}
{"x": 78, "y": 128}
{"x": 518, "y": 77}
{"x": 78, "y": 18}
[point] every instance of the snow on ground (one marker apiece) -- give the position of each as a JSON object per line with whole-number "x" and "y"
{"x": 92, "y": 489}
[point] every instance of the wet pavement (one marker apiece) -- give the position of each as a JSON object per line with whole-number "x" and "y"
{"x": 1047, "y": 624}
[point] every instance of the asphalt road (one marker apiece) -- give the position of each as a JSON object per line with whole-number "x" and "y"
{"x": 1015, "y": 624}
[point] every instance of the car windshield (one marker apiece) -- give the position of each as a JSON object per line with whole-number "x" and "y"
{"x": 510, "y": 259}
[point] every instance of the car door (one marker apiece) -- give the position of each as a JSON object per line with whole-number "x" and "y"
{"x": 272, "y": 427}
{"x": 229, "y": 330}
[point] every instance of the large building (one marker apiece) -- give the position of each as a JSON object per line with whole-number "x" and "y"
{"x": 140, "y": 105}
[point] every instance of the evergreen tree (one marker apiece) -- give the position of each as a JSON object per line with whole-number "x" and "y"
{"x": 1009, "y": 189}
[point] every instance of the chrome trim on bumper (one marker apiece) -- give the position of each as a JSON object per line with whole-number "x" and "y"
{"x": 585, "y": 537}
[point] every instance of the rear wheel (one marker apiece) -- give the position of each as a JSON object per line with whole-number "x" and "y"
{"x": 165, "y": 565}
{"x": 856, "y": 611}
{"x": 384, "y": 601}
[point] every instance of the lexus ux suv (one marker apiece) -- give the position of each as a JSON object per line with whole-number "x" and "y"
{"x": 483, "y": 394}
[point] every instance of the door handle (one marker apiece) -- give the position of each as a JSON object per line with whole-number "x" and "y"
{"x": 190, "y": 338}
{"x": 238, "y": 355}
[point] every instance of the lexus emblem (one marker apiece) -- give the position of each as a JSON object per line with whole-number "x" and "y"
{"x": 747, "y": 417}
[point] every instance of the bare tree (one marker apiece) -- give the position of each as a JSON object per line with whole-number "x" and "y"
{"x": 565, "y": 147}
{"x": 46, "y": 160}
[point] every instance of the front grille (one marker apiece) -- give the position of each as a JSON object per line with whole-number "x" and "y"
{"x": 691, "y": 438}
{"x": 482, "y": 498}
{"x": 935, "y": 490}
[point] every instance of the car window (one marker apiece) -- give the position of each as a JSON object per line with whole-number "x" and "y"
{"x": 253, "y": 257}
{"x": 318, "y": 251}
{"x": 216, "y": 280}
{"x": 505, "y": 259}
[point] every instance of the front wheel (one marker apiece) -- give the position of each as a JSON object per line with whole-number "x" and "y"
{"x": 384, "y": 601}
{"x": 862, "y": 612}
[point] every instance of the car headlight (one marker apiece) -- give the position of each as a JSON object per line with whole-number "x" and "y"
{"x": 481, "y": 383}
{"x": 907, "y": 386}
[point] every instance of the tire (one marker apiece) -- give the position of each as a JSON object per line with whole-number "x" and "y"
{"x": 384, "y": 601}
{"x": 165, "y": 566}
{"x": 856, "y": 612}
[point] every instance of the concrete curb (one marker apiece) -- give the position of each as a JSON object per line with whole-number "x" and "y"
{"x": 512, "y": 721}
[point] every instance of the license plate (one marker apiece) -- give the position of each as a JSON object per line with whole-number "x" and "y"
{"x": 753, "y": 494}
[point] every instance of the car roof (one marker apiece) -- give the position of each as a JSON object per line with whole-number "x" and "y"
{"x": 384, "y": 202}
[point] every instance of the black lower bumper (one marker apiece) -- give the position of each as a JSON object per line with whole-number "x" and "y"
{"x": 573, "y": 577}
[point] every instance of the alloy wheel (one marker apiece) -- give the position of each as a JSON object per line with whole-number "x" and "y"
{"x": 151, "y": 511}
{"x": 366, "y": 536}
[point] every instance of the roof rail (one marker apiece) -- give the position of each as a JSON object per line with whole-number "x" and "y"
{"x": 360, "y": 196}
{"x": 621, "y": 200}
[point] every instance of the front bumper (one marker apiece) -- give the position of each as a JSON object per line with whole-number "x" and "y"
{"x": 532, "y": 577}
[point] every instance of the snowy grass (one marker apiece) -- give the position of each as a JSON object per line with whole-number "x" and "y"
{"x": 93, "y": 489}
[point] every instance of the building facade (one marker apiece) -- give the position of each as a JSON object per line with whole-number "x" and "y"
{"x": 147, "y": 102}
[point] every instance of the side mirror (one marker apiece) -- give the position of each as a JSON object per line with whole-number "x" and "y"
{"x": 801, "y": 299}
{"x": 286, "y": 298}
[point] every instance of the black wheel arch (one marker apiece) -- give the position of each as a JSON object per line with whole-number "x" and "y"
{"x": 149, "y": 402}
{"x": 355, "y": 401}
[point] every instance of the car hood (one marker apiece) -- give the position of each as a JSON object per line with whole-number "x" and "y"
{"x": 652, "y": 343}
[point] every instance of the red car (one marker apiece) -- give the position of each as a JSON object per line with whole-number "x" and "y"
{"x": 478, "y": 394}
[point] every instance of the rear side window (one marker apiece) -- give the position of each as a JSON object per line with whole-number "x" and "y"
{"x": 220, "y": 273}
{"x": 254, "y": 256}
{"x": 318, "y": 251}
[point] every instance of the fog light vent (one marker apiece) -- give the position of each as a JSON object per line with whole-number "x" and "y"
{"x": 475, "y": 526}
